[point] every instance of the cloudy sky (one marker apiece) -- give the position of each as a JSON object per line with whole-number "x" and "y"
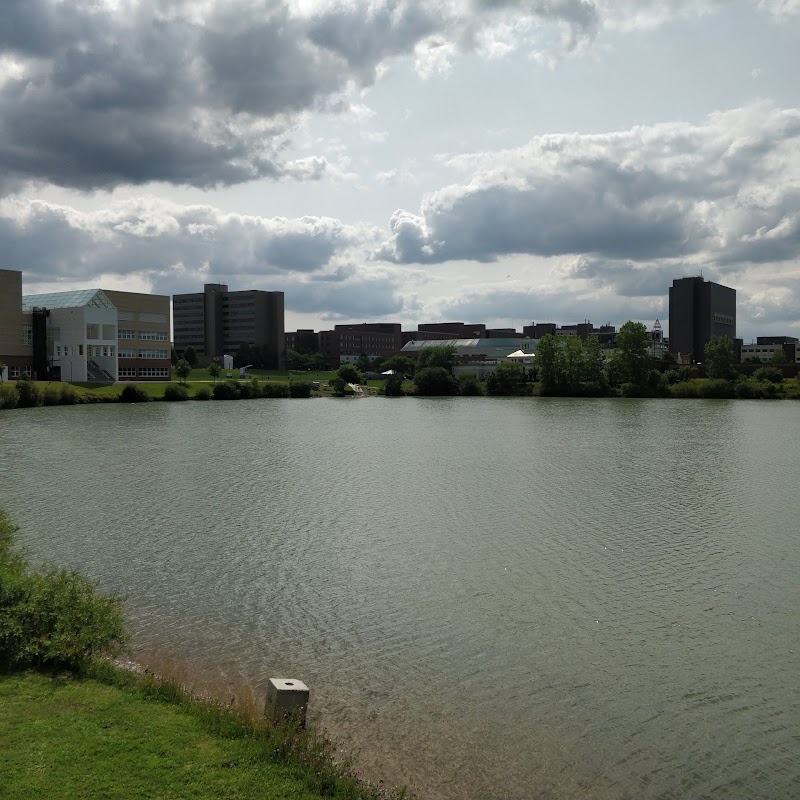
{"x": 408, "y": 160}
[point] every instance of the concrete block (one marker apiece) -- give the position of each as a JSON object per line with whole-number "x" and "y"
{"x": 286, "y": 697}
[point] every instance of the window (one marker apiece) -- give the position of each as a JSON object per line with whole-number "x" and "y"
{"x": 127, "y": 334}
{"x": 153, "y": 336}
{"x": 92, "y": 331}
{"x": 127, "y": 352}
{"x": 153, "y": 317}
{"x": 27, "y": 335}
{"x": 153, "y": 354}
{"x": 127, "y": 372}
{"x": 80, "y": 349}
{"x": 154, "y": 372}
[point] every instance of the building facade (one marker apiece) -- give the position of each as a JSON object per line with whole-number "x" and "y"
{"x": 217, "y": 321}
{"x": 766, "y": 346}
{"x": 698, "y": 311}
{"x": 347, "y": 343}
{"x": 143, "y": 335}
{"x": 16, "y": 329}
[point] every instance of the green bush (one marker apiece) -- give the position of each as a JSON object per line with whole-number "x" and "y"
{"x": 28, "y": 394}
{"x": 300, "y": 389}
{"x": 8, "y": 395}
{"x": 69, "y": 397}
{"x": 394, "y": 386}
{"x": 273, "y": 390}
{"x": 468, "y": 386}
{"x": 745, "y": 390}
{"x": 176, "y": 393}
{"x": 717, "y": 388}
{"x": 227, "y": 391}
{"x": 203, "y": 393}
{"x": 133, "y": 394}
{"x": 434, "y": 382}
{"x": 771, "y": 374}
{"x": 55, "y": 618}
{"x": 685, "y": 389}
{"x": 51, "y": 395}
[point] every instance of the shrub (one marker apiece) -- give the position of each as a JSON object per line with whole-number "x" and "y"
{"x": 203, "y": 393}
{"x": 51, "y": 395}
{"x": 468, "y": 386}
{"x": 771, "y": 374}
{"x": 28, "y": 394}
{"x": 133, "y": 394}
{"x": 745, "y": 390}
{"x": 274, "y": 390}
{"x": 176, "y": 393}
{"x": 717, "y": 388}
{"x": 54, "y": 618}
{"x": 8, "y": 395}
{"x": 394, "y": 386}
{"x": 69, "y": 397}
{"x": 229, "y": 390}
{"x": 434, "y": 382}
{"x": 300, "y": 389}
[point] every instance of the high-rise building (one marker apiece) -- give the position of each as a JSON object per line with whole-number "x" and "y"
{"x": 216, "y": 321}
{"x": 698, "y": 311}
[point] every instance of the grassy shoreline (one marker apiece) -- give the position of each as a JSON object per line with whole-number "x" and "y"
{"x": 73, "y": 724}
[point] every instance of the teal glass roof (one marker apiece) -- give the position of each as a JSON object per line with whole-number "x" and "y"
{"x": 75, "y": 299}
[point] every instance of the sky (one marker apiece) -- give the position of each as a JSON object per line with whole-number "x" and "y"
{"x": 497, "y": 161}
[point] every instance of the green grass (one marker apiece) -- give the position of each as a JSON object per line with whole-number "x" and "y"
{"x": 63, "y": 737}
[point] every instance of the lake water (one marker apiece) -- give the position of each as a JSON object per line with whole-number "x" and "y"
{"x": 489, "y": 598}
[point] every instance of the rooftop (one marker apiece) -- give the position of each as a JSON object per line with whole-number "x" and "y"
{"x": 75, "y": 299}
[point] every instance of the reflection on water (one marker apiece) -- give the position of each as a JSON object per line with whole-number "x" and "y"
{"x": 489, "y": 598}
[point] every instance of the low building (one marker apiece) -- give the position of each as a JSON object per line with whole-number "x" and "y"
{"x": 347, "y": 343}
{"x": 478, "y": 356}
{"x": 765, "y": 348}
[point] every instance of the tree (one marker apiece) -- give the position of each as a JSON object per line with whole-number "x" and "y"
{"x": 507, "y": 379}
{"x": 394, "y": 386}
{"x": 632, "y": 356}
{"x": 594, "y": 361}
{"x": 296, "y": 359}
{"x": 720, "y": 357}
{"x": 214, "y": 369}
{"x": 778, "y": 357}
{"x": 443, "y": 356}
{"x": 349, "y": 374}
{"x": 434, "y": 382}
{"x": 401, "y": 364}
{"x": 548, "y": 362}
{"x": 182, "y": 369}
{"x": 190, "y": 356}
{"x": 363, "y": 363}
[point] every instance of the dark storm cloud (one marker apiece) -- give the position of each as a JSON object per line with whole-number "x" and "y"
{"x": 94, "y": 94}
{"x": 725, "y": 189}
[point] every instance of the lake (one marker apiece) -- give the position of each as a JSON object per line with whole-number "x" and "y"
{"x": 489, "y": 597}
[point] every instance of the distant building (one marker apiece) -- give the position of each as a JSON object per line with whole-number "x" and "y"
{"x": 346, "y": 343}
{"x": 766, "y": 346}
{"x": 302, "y": 340}
{"x": 698, "y": 311}
{"x": 16, "y": 331}
{"x": 216, "y": 321}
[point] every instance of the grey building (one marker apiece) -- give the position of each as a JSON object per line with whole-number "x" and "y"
{"x": 698, "y": 311}
{"x": 217, "y": 321}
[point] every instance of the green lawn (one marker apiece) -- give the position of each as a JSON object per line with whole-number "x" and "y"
{"x": 63, "y": 738}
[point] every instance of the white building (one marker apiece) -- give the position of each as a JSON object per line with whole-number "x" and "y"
{"x": 81, "y": 333}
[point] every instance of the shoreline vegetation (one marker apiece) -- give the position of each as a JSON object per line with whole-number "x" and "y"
{"x": 566, "y": 366}
{"x": 74, "y": 724}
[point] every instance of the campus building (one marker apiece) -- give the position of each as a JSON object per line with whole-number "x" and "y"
{"x": 346, "y": 343}
{"x": 698, "y": 311}
{"x": 217, "y": 321}
{"x": 765, "y": 348}
{"x": 85, "y": 335}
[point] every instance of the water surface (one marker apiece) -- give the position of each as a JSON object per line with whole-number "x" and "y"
{"x": 489, "y": 598}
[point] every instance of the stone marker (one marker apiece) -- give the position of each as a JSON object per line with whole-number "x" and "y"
{"x": 286, "y": 697}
